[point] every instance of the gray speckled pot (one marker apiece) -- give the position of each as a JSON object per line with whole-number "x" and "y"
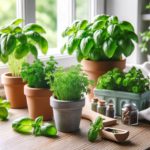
{"x": 67, "y": 114}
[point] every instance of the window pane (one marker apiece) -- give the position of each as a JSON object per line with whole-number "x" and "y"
{"x": 7, "y": 11}
{"x": 82, "y": 9}
{"x": 46, "y": 16}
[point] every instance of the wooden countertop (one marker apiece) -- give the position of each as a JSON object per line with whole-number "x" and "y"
{"x": 139, "y": 138}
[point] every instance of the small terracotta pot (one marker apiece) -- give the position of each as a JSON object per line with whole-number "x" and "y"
{"x": 94, "y": 69}
{"x": 38, "y": 102}
{"x": 14, "y": 87}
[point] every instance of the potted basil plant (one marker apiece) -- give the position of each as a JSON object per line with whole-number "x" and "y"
{"x": 68, "y": 97}
{"x": 119, "y": 88}
{"x": 37, "y": 90}
{"x": 101, "y": 44}
{"x": 16, "y": 43}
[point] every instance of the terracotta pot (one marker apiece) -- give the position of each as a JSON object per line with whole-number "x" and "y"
{"x": 14, "y": 87}
{"x": 38, "y": 102}
{"x": 94, "y": 69}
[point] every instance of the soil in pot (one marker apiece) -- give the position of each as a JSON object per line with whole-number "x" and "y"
{"x": 14, "y": 87}
{"x": 38, "y": 102}
{"x": 67, "y": 114}
{"x": 94, "y": 69}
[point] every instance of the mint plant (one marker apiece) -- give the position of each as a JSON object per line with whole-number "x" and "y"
{"x": 34, "y": 74}
{"x": 132, "y": 81}
{"x": 68, "y": 84}
{"x": 105, "y": 38}
{"x": 17, "y": 42}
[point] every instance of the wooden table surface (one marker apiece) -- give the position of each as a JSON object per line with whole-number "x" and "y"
{"x": 139, "y": 138}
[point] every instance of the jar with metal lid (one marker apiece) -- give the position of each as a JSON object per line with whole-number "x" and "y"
{"x": 130, "y": 114}
{"x": 94, "y": 104}
{"x": 101, "y": 108}
{"x": 110, "y": 112}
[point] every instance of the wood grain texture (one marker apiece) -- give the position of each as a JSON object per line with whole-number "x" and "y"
{"x": 139, "y": 138}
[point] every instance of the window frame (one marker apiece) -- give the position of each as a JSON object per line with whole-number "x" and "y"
{"x": 26, "y": 9}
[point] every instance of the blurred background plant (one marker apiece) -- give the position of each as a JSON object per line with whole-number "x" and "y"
{"x": 145, "y": 43}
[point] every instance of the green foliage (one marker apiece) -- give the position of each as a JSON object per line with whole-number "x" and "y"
{"x": 144, "y": 45}
{"x": 19, "y": 42}
{"x": 95, "y": 129}
{"x": 68, "y": 84}
{"x": 34, "y": 74}
{"x": 132, "y": 81}
{"x": 4, "y": 106}
{"x": 105, "y": 38}
{"x": 27, "y": 125}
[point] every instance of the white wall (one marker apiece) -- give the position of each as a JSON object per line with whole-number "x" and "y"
{"x": 126, "y": 10}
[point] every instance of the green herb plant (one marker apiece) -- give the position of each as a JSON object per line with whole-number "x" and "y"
{"x": 4, "y": 106}
{"x": 68, "y": 84}
{"x": 95, "y": 129}
{"x": 131, "y": 81}
{"x": 27, "y": 125}
{"x": 34, "y": 74}
{"x": 17, "y": 42}
{"x": 144, "y": 45}
{"x": 105, "y": 38}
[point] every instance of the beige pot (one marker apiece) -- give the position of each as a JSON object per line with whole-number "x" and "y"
{"x": 38, "y": 102}
{"x": 94, "y": 69}
{"x": 14, "y": 87}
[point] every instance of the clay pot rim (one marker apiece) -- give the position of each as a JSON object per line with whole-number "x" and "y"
{"x": 103, "y": 61}
{"x": 41, "y": 92}
{"x": 35, "y": 89}
{"x": 9, "y": 75}
{"x": 8, "y": 79}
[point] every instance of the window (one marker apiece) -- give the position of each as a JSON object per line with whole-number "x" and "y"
{"x": 82, "y": 9}
{"x": 7, "y": 11}
{"x": 55, "y": 15}
{"x": 46, "y": 15}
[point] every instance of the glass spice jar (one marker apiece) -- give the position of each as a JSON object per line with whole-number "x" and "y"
{"x": 94, "y": 104}
{"x": 129, "y": 114}
{"x": 101, "y": 108}
{"x": 110, "y": 112}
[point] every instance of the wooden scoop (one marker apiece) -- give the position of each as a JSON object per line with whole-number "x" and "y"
{"x": 114, "y": 134}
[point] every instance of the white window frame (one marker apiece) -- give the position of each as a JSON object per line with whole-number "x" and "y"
{"x": 66, "y": 14}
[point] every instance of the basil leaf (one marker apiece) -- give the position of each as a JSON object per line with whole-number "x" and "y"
{"x": 109, "y": 47}
{"x": 98, "y": 25}
{"x": 34, "y": 27}
{"x": 86, "y": 45}
{"x": 124, "y": 25}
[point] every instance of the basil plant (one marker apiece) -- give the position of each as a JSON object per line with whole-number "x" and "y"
{"x": 105, "y": 38}
{"x": 17, "y": 42}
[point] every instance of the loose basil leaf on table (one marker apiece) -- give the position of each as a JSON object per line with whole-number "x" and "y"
{"x": 95, "y": 129}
